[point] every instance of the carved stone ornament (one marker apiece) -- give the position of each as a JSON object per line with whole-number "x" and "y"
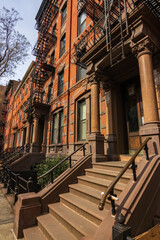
{"x": 144, "y": 44}
{"x": 108, "y": 85}
{"x": 94, "y": 78}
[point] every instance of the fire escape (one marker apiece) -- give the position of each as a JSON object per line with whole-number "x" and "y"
{"x": 46, "y": 40}
{"x": 106, "y": 16}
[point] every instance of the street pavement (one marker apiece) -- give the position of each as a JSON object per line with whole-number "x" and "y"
{"x": 6, "y": 218}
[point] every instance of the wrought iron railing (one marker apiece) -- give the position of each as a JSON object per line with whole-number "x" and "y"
{"x": 68, "y": 158}
{"x": 18, "y": 182}
{"x": 10, "y": 152}
{"x": 109, "y": 193}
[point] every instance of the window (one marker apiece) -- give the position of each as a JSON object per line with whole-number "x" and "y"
{"x": 18, "y": 139}
{"x": 52, "y": 58}
{"x": 64, "y": 14}
{"x": 57, "y": 129}
{"x": 62, "y": 45}
{"x": 54, "y": 131}
{"x": 81, "y": 22}
{"x": 22, "y": 93}
{"x": 42, "y": 97}
{"x": 60, "y": 127}
{"x": 26, "y": 87}
{"x": 17, "y": 117}
{"x": 56, "y": 3}
{"x": 81, "y": 120}
{"x": 24, "y": 110}
{"x": 50, "y": 89}
{"x": 54, "y": 30}
{"x": 81, "y": 73}
{"x": 60, "y": 82}
{"x": 20, "y": 116}
{"x": 21, "y": 141}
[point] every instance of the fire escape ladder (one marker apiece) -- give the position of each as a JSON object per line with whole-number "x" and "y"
{"x": 45, "y": 41}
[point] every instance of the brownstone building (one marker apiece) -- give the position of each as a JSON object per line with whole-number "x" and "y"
{"x": 7, "y": 112}
{"x": 2, "y": 91}
{"x": 96, "y": 80}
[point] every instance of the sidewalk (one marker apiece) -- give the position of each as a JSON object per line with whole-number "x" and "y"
{"x": 6, "y": 218}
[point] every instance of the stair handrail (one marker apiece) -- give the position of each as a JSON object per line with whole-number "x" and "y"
{"x": 58, "y": 164}
{"x": 17, "y": 150}
{"x": 109, "y": 191}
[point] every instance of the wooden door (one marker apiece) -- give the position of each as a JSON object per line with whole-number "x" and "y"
{"x": 134, "y": 117}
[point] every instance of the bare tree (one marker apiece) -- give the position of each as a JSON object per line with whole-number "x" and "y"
{"x": 14, "y": 46}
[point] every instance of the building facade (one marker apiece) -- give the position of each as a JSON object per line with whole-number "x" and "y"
{"x": 2, "y": 91}
{"x": 87, "y": 84}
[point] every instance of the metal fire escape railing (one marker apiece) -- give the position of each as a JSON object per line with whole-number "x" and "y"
{"x": 114, "y": 14}
{"x": 46, "y": 40}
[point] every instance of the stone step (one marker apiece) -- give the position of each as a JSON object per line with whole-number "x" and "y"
{"x": 83, "y": 207}
{"x": 126, "y": 158}
{"x": 33, "y": 233}
{"x": 74, "y": 222}
{"x": 107, "y": 174}
{"x": 88, "y": 193}
{"x": 100, "y": 184}
{"x": 53, "y": 229}
{"x": 116, "y": 166}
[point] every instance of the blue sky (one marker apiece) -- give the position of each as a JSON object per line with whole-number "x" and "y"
{"x": 27, "y": 10}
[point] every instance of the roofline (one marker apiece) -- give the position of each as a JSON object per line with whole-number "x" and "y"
{"x": 41, "y": 8}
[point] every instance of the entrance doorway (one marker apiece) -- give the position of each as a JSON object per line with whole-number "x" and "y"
{"x": 40, "y": 137}
{"x": 133, "y": 113}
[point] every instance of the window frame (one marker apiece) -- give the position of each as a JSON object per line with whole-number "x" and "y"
{"x": 81, "y": 121}
{"x": 60, "y": 82}
{"x": 78, "y": 78}
{"x": 62, "y": 45}
{"x": 64, "y": 14}
{"x": 81, "y": 26}
{"x": 57, "y": 127}
{"x": 50, "y": 91}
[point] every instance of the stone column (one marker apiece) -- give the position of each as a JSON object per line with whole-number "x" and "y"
{"x": 34, "y": 145}
{"x": 28, "y": 133}
{"x": 143, "y": 50}
{"x": 44, "y": 144}
{"x": 111, "y": 133}
{"x": 96, "y": 139}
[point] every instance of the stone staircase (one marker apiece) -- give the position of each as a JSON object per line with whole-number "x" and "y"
{"x": 76, "y": 215}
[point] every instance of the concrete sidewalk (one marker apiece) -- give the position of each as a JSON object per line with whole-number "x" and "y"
{"x": 6, "y": 218}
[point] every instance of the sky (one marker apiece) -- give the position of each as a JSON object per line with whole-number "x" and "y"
{"x": 27, "y": 10}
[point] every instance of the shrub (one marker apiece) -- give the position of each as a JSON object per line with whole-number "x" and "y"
{"x": 46, "y": 165}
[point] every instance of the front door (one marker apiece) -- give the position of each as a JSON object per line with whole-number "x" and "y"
{"x": 134, "y": 116}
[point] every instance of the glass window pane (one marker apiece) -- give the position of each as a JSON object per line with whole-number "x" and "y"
{"x": 54, "y": 132}
{"x": 81, "y": 73}
{"x": 60, "y": 82}
{"x": 81, "y": 22}
{"x": 82, "y": 120}
{"x": 60, "y": 127}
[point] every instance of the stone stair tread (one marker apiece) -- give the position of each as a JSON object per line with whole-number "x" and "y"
{"x": 33, "y": 233}
{"x": 87, "y": 190}
{"x": 54, "y": 228}
{"x": 81, "y": 224}
{"x": 85, "y": 205}
{"x": 111, "y": 163}
{"x": 108, "y": 172}
{"x": 102, "y": 182}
